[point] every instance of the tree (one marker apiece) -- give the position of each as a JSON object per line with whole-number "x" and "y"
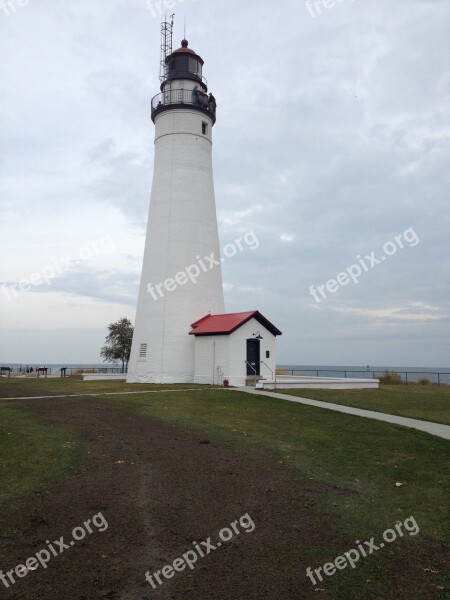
{"x": 118, "y": 343}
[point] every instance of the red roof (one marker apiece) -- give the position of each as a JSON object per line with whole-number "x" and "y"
{"x": 184, "y": 49}
{"x": 227, "y": 323}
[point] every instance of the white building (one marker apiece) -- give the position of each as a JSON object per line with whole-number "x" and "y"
{"x": 236, "y": 347}
{"x": 181, "y": 276}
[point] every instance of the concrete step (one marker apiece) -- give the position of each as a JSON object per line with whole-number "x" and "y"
{"x": 252, "y": 380}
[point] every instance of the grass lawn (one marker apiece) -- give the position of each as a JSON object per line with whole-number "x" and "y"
{"x": 362, "y": 460}
{"x": 16, "y": 387}
{"x": 358, "y": 461}
{"x": 33, "y": 456}
{"x": 364, "y": 457}
{"x": 428, "y": 403}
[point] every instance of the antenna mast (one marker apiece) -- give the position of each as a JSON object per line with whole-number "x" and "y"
{"x": 166, "y": 45}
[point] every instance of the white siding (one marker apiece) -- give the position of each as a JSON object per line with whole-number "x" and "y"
{"x": 211, "y": 356}
{"x": 182, "y": 226}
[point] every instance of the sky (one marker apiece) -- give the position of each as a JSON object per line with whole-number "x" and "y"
{"x": 331, "y": 146}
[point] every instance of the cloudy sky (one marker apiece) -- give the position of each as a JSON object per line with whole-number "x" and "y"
{"x": 331, "y": 144}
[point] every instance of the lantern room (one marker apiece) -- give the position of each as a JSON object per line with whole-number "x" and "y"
{"x": 184, "y": 63}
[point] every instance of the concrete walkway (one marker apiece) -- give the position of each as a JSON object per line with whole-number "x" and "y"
{"x": 442, "y": 431}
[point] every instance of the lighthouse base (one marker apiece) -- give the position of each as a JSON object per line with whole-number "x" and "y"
{"x": 165, "y": 378}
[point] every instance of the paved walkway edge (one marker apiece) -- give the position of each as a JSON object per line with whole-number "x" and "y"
{"x": 81, "y": 394}
{"x": 437, "y": 429}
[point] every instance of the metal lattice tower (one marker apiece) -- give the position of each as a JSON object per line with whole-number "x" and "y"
{"x": 166, "y": 45}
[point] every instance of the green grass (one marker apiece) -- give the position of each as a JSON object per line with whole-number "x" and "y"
{"x": 428, "y": 403}
{"x": 15, "y": 388}
{"x": 33, "y": 456}
{"x": 355, "y": 461}
{"x": 361, "y": 456}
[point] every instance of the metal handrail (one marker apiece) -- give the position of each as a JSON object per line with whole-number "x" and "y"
{"x": 375, "y": 373}
{"x": 264, "y": 363}
{"x": 251, "y": 367}
{"x": 71, "y": 370}
{"x": 179, "y": 97}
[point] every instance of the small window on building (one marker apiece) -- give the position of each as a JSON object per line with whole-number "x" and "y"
{"x": 204, "y": 128}
{"x": 143, "y": 351}
{"x": 267, "y": 353}
{"x": 193, "y": 66}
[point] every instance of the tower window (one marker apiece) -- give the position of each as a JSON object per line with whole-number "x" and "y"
{"x": 267, "y": 353}
{"x": 204, "y": 128}
{"x": 143, "y": 351}
{"x": 193, "y": 65}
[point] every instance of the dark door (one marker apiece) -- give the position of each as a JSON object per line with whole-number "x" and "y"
{"x": 253, "y": 357}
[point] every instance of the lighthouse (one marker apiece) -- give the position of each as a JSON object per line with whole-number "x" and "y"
{"x": 181, "y": 333}
{"x": 181, "y": 279}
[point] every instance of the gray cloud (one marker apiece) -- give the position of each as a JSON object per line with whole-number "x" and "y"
{"x": 333, "y": 137}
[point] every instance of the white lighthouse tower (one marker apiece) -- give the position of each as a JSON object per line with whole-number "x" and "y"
{"x": 181, "y": 281}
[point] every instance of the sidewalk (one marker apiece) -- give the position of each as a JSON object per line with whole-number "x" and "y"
{"x": 442, "y": 431}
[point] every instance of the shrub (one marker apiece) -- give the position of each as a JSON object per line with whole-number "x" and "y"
{"x": 79, "y": 372}
{"x": 391, "y": 378}
{"x": 424, "y": 381}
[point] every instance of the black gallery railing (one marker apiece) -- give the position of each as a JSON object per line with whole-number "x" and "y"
{"x": 183, "y": 97}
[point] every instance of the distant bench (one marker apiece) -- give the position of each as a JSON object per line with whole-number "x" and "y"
{"x": 42, "y": 370}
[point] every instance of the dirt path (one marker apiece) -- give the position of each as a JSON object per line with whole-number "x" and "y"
{"x": 161, "y": 487}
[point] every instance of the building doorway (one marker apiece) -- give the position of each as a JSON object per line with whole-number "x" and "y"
{"x": 253, "y": 357}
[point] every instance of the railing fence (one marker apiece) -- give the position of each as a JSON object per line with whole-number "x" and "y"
{"x": 68, "y": 370}
{"x": 439, "y": 377}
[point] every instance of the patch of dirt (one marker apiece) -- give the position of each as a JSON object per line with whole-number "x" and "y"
{"x": 161, "y": 487}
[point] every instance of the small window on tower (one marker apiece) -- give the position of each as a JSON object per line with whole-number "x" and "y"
{"x": 143, "y": 351}
{"x": 267, "y": 353}
{"x": 204, "y": 128}
{"x": 193, "y": 65}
